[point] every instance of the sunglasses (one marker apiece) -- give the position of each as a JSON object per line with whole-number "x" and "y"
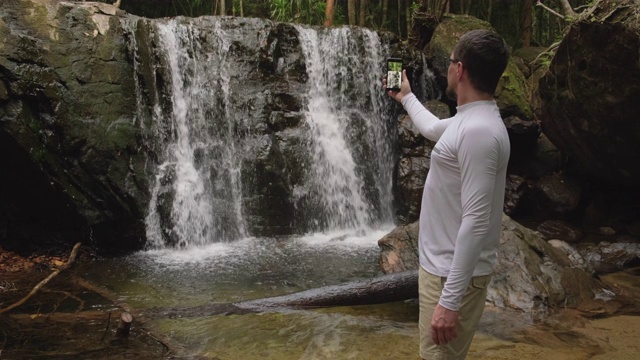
{"x": 450, "y": 61}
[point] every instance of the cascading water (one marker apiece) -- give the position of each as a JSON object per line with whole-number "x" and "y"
{"x": 205, "y": 111}
{"x": 198, "y": 169}
{"x": 348, "y": 129}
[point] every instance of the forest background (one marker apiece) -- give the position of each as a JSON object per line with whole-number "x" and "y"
{"x": 523, "y": 23}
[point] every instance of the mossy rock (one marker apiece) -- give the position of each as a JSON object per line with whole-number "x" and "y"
{"x": 512, "y": 91}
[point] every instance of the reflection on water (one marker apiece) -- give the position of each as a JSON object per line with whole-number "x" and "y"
{"x": 256, "y": 268}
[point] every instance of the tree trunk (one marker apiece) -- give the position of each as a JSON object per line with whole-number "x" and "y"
{"x": 241, "y": 8}
{"x": 407, "y": 10}
{"x": 383, "y": 289}
{"x": 351, "y": 9}
{"x": 363, "y": 13}
{"x": 223, "y": 10}
{"x": 385, "y": 9}
{"x": 329, "y": 12}
{"x": 490, "y": 9}
{"x": 527, "y": 23}
{"x": 399, "y": 18}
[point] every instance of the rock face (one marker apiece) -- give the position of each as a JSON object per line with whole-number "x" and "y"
{"x": 530, "y": 274}
{"x": 102, "y": 112}
{"x": 589, "y": 95}
{"x": 71, "y": 163}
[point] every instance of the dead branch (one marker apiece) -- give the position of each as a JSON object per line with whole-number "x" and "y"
{"x": 169, "y": 344}
{"x": 568, "y": 10}
{"x": 55, "y": 273}
{"x": 549, "y": 9}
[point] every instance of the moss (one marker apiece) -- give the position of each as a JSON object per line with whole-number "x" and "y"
{"x": 451, "y": 29}
{"x": 512, "y": 93}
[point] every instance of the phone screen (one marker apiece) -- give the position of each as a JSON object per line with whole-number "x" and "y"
{"x": 394, "y": 74}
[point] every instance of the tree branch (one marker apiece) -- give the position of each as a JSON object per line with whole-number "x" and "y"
{"x": 550, "y": 9}
{"x": 568, "y": 10}
{"x": 55, "y": 273}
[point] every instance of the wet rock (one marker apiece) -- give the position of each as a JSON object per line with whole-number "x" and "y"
{"x": 399, "y": 249}
{"x": 546, "y": 159}
{"x": 561, "y": 230}
{"x": 74, "y": 169}
{"x": 412, "y": 172}
{"x": 607, "y": 231}
{"x": 577, "y": 261}
{"x": 414, "y": 161}
{"x": 523, "y": 136}
{"x": 609, "y": 257}
{"x": 530, "y": 274}
{"x": 556, "y": 194}
{"x": 515, "y": 190}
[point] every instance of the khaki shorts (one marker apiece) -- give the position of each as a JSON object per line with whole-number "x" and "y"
{"x": 430, "y": 288}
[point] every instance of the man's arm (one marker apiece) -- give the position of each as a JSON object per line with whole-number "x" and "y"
{"x": 479, "y": 160}
{"x": 428, "y": 124}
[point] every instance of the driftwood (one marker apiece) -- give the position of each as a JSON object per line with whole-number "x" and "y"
{"x": 383, "y": 289}
{"x": 72, "y": 258}
{"x": 145, "y": 326}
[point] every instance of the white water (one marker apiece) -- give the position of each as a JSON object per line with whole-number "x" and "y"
{"x": 204, "y": 206}
{"x": 344, "y": 87}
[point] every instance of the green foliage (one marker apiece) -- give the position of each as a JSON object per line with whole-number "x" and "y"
{"x": 302, "y": 11}
{"x": 281, "y": 10}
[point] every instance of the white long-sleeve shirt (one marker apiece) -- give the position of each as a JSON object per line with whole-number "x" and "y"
{"x": 461, "y": 213}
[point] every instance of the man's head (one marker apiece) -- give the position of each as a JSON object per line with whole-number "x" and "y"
{"x": 483, "y": 54}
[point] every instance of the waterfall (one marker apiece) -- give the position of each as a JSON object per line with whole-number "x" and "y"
{"x": 345, "y": 111}
{"x": 206, "y": 109}
{"x": 197, "y": 172}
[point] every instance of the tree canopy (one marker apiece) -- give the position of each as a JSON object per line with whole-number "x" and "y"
{"x": 522, "y": 23}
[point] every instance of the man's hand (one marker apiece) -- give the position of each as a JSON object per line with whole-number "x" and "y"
{"x": 443, "y": 324}
{"x": 405, "y": 88}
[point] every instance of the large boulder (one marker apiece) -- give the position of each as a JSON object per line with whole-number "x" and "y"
{"x": 512, "y": 91}
{"x": 530, "y": 274}
{"x": 72, "y": 169}
{"x": 589, "y": 95}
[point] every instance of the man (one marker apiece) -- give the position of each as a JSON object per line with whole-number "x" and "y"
{"x": 461, "y": 214}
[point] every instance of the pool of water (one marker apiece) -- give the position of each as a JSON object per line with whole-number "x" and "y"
{"x": 262, "y": 267}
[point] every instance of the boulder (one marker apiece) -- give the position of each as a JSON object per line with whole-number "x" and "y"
{"x": 589, "y": 95}
{"x": 512, "y": 90}
{"x": 72, "y": 168}
{"x": 530, "y": 274}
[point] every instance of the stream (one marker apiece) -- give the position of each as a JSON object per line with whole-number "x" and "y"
{"x": 261, "y": 267}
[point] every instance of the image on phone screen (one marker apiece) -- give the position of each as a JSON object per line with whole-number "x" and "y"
{"x": 394, "y": 74}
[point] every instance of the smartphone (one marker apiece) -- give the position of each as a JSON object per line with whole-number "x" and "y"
{"x": 394, "y": 74}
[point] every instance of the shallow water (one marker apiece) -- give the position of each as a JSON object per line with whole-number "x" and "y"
{"x": 256, "y": 268}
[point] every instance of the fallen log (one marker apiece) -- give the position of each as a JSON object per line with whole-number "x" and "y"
{"x": 383, "y": 289}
